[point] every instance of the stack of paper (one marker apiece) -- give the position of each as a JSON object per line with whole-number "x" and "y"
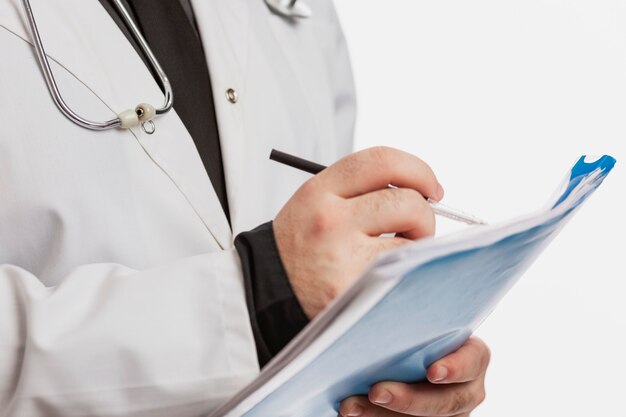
{"x": 410, "y": 308}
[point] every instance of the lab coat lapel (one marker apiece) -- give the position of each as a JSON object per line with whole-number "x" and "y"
{"x": 82, "y": 37}
{"x": 224, "y": 32}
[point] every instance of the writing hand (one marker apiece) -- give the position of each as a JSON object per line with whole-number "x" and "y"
{"x": 328, "y": 232}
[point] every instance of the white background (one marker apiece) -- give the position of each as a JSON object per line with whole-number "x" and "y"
{"x": 501, "y": 98}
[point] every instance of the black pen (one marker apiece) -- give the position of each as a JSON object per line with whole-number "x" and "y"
{"x": 315, "y": 168}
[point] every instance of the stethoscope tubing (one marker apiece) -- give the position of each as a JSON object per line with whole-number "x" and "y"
{"x": 128, "y": 118}
{"x": 165, "y": 82}
{"x": 54, "y": 89}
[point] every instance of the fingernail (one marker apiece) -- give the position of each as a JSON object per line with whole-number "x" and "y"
{"x": 355, "y": 411}
{"x": 440, "y": 374}
{"x": 384, "y": 397}
{"x": 440, "y": 192}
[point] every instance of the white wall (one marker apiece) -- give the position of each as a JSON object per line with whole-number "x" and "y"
{"x": 501, "y": 97}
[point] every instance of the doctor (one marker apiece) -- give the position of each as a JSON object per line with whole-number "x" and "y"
{"x": 123, "y": 291}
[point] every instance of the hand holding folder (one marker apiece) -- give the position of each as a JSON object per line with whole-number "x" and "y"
{"x": 435, "y": 292}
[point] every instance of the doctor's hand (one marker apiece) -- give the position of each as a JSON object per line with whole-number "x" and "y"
{"x": 328, "y": 232}
{"x": 456, "y": 386}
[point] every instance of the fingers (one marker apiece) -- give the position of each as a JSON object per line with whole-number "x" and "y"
{"x": 426, "y": 399}
{"x": 466, "y": 364}
{"x": 391, "y": 399}
{"x": 455, "y": 392}
{"x": 382, "y": 412}
{"x": 375, "y": 168}
{"x": 325, "y": 238}
{"x": 394, "y": 211}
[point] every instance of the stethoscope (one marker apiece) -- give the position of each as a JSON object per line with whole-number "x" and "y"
{"x": 290, "y": 8}
{"x": 144, "y": 113}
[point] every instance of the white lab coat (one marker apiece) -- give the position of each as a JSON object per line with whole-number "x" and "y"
{"x": 120, "y": 291}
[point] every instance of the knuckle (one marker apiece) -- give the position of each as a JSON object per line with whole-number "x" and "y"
{"x": 400, "y": 406}
{"x": 381, "y": 151}
{"x": 309, "y": 190}
{"x": 408, "y": 405}
{"x": 402, "y": 402}
{"x": 326, "y": 215}
{"x": 332, "y": 290}
{"x": 381, "y": 155}
{"x": 349, "y": 165}
{"x": 323, "y": 221}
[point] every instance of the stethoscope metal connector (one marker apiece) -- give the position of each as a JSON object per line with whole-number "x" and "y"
{"x": 293, "y": 9}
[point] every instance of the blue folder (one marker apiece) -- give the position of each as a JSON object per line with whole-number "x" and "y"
{"x": 431, "y": 310}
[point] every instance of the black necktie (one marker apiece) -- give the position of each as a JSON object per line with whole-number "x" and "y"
{"x": 174, "y": 41}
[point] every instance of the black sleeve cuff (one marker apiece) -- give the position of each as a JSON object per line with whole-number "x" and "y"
{"x": 275, "y": 312}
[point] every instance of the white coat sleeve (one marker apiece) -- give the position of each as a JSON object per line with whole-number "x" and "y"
{"x": 109, "y": 340}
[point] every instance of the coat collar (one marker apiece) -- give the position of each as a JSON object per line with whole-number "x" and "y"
{"x": 82, "y": 37}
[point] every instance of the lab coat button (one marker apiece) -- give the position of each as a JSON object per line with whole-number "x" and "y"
{"x": 232, "y": 95}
